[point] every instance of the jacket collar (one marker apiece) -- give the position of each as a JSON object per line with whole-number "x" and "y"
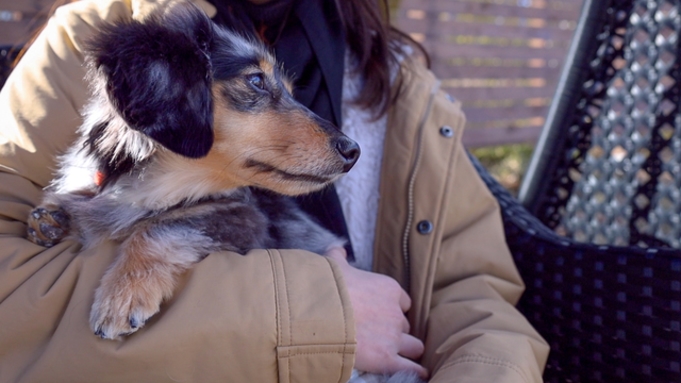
{"x": 142, "y": 8}
{"x": 329, "y": 48}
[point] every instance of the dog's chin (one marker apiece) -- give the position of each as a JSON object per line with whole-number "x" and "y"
{"x": 292, "y": 181}
{"x": 300, "y": 185}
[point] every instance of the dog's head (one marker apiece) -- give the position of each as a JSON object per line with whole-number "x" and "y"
{"x": 215, "y": 100}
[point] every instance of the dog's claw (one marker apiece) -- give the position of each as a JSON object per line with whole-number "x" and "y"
{"x": 50, "y": 231}
{"x": 38, "y": 213}
{"x": 61, "y": 218}
{"x": 123, "y": 307}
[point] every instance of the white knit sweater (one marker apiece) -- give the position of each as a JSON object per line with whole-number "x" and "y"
{"x": 358, "y": 189}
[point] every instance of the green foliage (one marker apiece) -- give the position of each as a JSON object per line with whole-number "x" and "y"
{"x": 506, "y": 163}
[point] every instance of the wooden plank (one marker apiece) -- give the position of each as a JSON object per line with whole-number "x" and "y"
{"x": 538, "y": 60}
{"x": 454, "y": 51}
{"x": 492, "y": 125}
{"x": 468, "y": 95}
{"x": 495, "y": 83}
{"x": 500, "y": 82}
{"x": 505, "y": 121}
{"x": 549, "y": 31}
{"x": 450, "y": 50}
{"x": 472, "y": 94}
{"x": 498, "y": 38}
{"x": 547, "y": 67}
{"x": 502, "y": 121}
{"x": 445, "y": 42}
{"x": 475, "y": 115}
{"x": 476, "y": 138}
{"x": 448, "y": 71}
{"x": 570, "y": 10}
{"x": 471, "y": 85}
{"x": 540, "y": 102}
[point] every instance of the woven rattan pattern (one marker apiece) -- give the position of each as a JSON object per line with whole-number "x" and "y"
{"x": 610, "y": 314}
{"x": 618, "y": 179}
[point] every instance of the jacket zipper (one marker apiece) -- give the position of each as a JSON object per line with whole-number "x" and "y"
{"x": 410, "y": 190}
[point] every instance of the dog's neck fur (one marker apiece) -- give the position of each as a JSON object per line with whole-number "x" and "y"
{"x": 134, "y": 168}
{"x": 169, "y": 180}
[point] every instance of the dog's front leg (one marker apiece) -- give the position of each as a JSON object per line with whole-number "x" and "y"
{"x": 142, "y": 277}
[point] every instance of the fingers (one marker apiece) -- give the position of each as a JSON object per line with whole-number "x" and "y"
{"x": 337, "y": 254}
{"x": 382, "y": 331}
{"x": 405, "y": 301}
{"x": 404, "y": 364}
{"x": 401, "y": 363}
{"x": 405, "y": 325}
{"x": 411, "y": 347}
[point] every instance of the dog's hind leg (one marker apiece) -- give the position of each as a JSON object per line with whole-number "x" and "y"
{"x": 143, "y": 276}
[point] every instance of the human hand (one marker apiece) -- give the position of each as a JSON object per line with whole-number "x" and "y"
{"x": 384, "y": 344}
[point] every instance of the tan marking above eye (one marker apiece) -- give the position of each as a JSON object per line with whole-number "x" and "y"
{"x": 268, "y": 69}
{"x": 267, "y": 66}
{"x": 287, "y": 84}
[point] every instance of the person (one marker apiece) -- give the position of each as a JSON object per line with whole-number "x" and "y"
{"x": 425, "y": 234}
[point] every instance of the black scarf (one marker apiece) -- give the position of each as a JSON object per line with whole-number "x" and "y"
{"x": 307, "y": 38}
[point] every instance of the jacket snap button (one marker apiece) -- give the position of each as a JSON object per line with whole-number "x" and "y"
{"x": 424, "y": 227}
{"x": 447, "y": 131}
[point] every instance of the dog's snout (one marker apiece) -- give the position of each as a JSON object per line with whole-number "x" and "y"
{"x": 349, "y": 151}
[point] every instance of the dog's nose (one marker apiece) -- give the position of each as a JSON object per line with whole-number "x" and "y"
{"x": 349, "y": 151}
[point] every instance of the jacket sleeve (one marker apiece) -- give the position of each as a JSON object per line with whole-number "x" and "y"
{"x": 268, "y": 316}
{"x": 473, "y": 332}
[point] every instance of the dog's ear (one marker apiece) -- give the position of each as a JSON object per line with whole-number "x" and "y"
{"x": 157, "y": 76}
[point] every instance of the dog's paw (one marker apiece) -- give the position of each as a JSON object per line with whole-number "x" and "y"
{"x": 123, "y": 305}
{"x": 47, "y": 225}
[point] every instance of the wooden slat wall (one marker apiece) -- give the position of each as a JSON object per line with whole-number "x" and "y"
{"x": 19, "y": 18}
{"x": 501, "y": 58}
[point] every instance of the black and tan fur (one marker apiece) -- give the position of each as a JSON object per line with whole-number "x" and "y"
{"x": 188, "y": 144}
{"x": 190, "y": 135}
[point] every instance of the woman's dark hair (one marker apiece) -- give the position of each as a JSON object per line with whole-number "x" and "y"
{"x": 376, "y": 45}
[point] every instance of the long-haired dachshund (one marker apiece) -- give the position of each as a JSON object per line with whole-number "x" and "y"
{"x": 188, "y": 144}
{"x": 185, "y": 117}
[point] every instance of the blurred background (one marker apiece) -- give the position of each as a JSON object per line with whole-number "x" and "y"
{"x": 500, "y": 58}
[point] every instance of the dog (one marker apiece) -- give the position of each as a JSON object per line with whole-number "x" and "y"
{"x": 190, "y": 144}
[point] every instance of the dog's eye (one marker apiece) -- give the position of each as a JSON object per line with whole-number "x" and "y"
{"x": 257, "y": 81}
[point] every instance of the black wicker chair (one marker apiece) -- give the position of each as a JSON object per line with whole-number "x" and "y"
{"x": 597, "y": 233}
